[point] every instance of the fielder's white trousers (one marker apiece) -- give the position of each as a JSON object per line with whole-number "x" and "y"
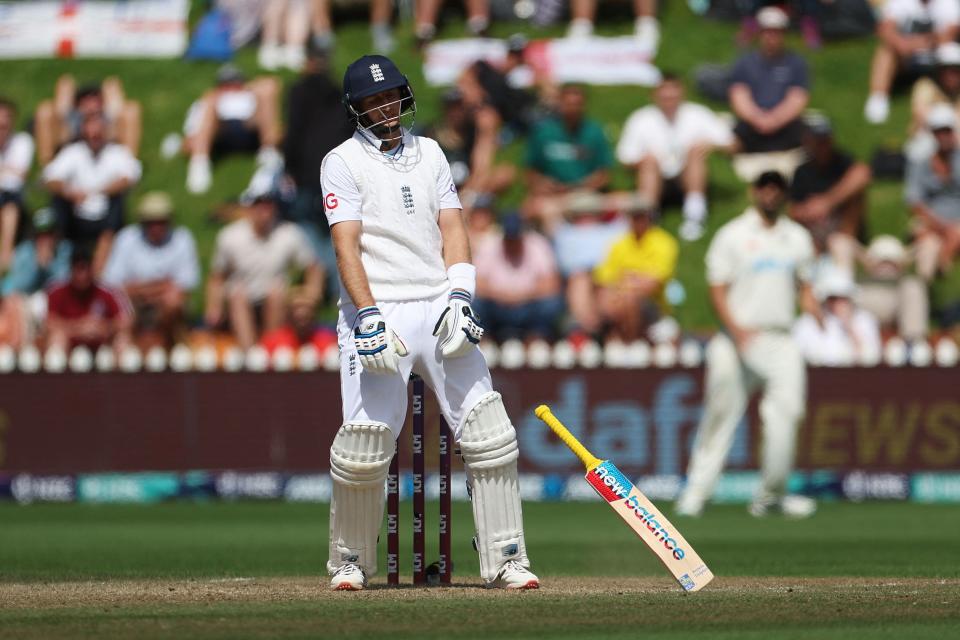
{"x": 457, "y": 383}
{"x": 771, "y": 361}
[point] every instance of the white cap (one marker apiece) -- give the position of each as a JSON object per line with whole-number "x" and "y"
{"x": 835, "y": 283}
{"x": 948, "y": 54}
{"x": 886, "y": 248}
{"x": 941, "y": 116}
{"x": 772, "y": 18}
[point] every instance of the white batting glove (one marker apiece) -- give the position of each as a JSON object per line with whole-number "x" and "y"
{"x": 458, "y": 328}
{"x": 378, "y": 348}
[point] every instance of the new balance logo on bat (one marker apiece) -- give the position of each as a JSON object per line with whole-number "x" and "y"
{"x": 610, "y": 483}
{"x": 653, "y": 525}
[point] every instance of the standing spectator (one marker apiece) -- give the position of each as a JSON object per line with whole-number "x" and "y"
{"x": 380, "y": 32}
{"x": 518, "y": 284}
{"x": 566, "y": 153}
{"x": 156, "y": 265}
{"x": 38, "y": 263}
{"x": 769, "y": 90}
{"x": 236, "y": 116}
{"x": 632, "y": 277}
{"x": 933, "y": 194}
{"x": 645, "y": 26}
{"x": 426, "y": 12}
{"x": 316, "y": 124}
{"x": 16, "y": 156}
{"x": 667, "y": 144}
{"x": 828, "y": 195}
{"x": 83, "y": 312}
{"x": 469, "y": 139}
{"x": 908, "y": 33}
{"x": 249, "y": 275}
{"x": 58, "y": 121}
{"x": 897, "y": 298}
{"x": 847, "y": 335}
{"x": 89, "y": 181}
{"x": 758, "y": 268}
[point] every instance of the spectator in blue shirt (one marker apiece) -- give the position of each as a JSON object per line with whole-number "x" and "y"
{"x": 769, "y": 90}
{"x": 39, "y": 261}
{"x": 156, "y": 265}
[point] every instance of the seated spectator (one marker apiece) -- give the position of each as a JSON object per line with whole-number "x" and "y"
{"x": 249, "y": 275}
{"x": 645, "y": 26}
{"x": 942, "y": 88}
{"x": 316, "y": 123}
{"x": 469, "y": 138}
{"x": 589, "y": 225}
{"x": 483, "y": 84}
{"x": 89, "y": 181}
{"x": 828, "y": 194}
{"x": 380, "y": 32}
{"x": 632, "y": 277}
{"x": 908, "y": 33}
{"x": 83, "y": 312}
{"x": 156, "y": 265}
{"x": 283, "y": 35}
{"x": 58, "y": 121}
{"x": 898, "y": 299}
{"x": 565, "y": 153}
{"x": 426, "y": 12}
{"x": 236, "y": 116}
{"x": 769, "y": 90}
{"x": 13, "y": 328}
{"x": 38, "y": 263}
{"x": 667, "y": 144}
{"x": 16, "y": 156}
{"x": 808, "y": 11}
{"x": 301, "y": 327}
{"x": 518, "y": 284}
{"x": 481, "y": 221}
{"x": 846, "y": 335}
{"x": 933, "y": 193}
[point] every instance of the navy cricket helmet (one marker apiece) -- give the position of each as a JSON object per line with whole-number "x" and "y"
{"x": 370, "y": 75}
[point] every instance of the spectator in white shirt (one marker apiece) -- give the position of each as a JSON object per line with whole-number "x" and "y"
{"x": 847, "y": 335}
{"x": 89, "y": 181}
{"x": 252, "y": 260}
{"x": 236, "y": 116}
{"x": 16, "y": 155}
{"x": 908, "y": 33}
{"x": 156, "y": 265}
{"x": 668, "y": 144}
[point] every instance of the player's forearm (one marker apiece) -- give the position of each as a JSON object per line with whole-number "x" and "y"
{"x": 354, "y": 277}
{"x": 718, "y": 296}
{"x": 456, "y": 242}
{"x": 809, "y": 304}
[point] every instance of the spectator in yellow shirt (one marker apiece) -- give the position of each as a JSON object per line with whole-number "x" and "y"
{"x": 631, "y": 279}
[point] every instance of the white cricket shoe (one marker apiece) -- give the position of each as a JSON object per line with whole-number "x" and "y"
{"x": 877, "y": 108}
{"x": 514, "y": 575}
{"x": 790, "y": 506}
{"x": 199, "y": 174}
{"x": 349, "y": 577}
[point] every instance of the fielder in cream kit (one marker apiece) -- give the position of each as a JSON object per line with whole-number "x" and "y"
{"x": 759, "y": 265}
{"x": 406, "y": 285}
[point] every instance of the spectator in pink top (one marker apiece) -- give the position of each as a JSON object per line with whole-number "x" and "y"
{"x": 518, "y": 284}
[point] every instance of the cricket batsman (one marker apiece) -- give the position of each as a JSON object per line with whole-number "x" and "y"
{"x": 757, "y": 266}
{"x": 406, "y": 285}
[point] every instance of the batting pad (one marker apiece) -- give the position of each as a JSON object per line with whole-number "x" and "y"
{"x": 359, "y": 460}
{"x": 489, "y": 447}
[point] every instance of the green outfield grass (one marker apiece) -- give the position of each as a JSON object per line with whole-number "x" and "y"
{"x": 167, "y": 87}
{"x": 256, "y": 570}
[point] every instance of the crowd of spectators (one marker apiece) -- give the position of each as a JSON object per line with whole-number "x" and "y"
{"x": 575, "y": 260}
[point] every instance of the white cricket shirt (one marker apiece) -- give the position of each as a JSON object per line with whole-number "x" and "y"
{"x": 762, "y": 266}
{"x": 649, "y": 132}
{"x": 397, "y": 198}
{"x": 15, "y": 159}
{"x": 940, "y": 13}
{"x": 78, "y": 167}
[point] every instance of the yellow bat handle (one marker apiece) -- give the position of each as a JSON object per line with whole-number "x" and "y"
{"x": 588, "y": 459}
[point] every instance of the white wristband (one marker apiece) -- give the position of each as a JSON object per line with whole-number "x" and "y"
{"x": 463, "y": 275}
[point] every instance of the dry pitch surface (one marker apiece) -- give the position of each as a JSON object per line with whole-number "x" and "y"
{"x": 843, "y": 607}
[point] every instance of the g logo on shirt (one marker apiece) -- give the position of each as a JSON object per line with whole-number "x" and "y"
{"x": 330, "y": 201}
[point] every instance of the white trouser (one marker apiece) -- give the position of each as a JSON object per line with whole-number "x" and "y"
{"x": 773, "y": 361}
{"x": 457, "y": 383}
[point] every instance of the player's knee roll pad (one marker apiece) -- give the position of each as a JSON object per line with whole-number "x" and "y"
{"x": 359, "y": 461}
{"x": 488, "y": 443}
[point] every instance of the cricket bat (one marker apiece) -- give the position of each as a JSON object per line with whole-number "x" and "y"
{"x": 637, "y": 511}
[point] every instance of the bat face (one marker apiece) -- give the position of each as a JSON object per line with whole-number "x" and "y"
{"x": 650, "y": 525}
